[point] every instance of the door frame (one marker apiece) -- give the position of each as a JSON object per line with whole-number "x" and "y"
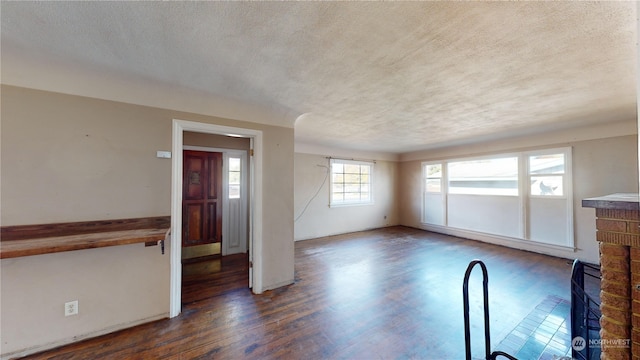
{"x": 255, "y": 206}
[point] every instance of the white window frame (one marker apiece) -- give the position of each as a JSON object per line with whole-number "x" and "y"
{"x": 566, "y": 175}
{"x": 334, "y": 203}
{"x": 567, "y": 195}
{"x": 241, "y": 174}
{"x": 444, "y": 189}
{"x": 426, "y": 177}
{"x": 524, "y": 193}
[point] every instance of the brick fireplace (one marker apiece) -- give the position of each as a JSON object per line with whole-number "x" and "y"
{"x": 618, "y": 234}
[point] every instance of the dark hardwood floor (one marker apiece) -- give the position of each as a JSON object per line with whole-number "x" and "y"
{"x": 381, "y": 294}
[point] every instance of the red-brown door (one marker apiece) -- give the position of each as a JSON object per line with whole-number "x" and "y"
{"x": 201, "y": 198}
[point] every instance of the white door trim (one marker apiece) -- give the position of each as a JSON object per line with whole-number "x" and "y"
{"x": 255, "y": 208}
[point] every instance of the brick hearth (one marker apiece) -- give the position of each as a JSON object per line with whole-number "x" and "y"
{"x": 618, "y": 232}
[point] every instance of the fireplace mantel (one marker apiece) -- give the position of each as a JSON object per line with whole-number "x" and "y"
{"x": 619, "y": 201}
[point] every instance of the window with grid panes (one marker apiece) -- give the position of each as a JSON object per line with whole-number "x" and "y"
{"x": 234, "y": 178}
{"x": 351, "y": 182}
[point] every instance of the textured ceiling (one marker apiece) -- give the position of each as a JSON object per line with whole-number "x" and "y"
{"x": 389, "y": 77}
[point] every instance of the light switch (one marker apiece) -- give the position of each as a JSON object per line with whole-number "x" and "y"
{"x": 163, "y": 154}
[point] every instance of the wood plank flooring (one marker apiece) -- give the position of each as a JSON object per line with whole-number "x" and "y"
{"x": 381, "y": 294}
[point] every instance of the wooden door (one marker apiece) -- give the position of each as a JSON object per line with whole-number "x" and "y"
{"x": 201, "y": 198}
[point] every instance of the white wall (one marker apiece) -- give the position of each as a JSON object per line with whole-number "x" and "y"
{"x": 320, "y": 220}
{"x": 600, "y": 167}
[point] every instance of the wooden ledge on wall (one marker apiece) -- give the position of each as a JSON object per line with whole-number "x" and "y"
{"x": 26, "y": 240}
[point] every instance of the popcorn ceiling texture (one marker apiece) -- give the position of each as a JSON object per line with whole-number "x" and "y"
{"x": 392, "y": 77}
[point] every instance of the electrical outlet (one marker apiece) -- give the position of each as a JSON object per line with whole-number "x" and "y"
{"x": 71, "y": 308}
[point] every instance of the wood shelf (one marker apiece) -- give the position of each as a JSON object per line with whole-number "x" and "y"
{"x": 27, "y": 240}
{"x": 18, "y": 248}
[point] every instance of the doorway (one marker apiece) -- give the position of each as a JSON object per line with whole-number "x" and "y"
{"x": 254, "y": 190}
{"x": 215, "y": 220}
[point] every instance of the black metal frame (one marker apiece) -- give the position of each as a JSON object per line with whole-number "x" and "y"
{"x": 585, "y": 311}
{"x": 467, "y": 330}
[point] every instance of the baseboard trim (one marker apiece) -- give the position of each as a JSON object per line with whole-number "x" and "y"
{"x": 347, "y": 232}
{"x": 67, "y": 341}
{"x": 566, "y": 252}
{"x": 277, "y": 285}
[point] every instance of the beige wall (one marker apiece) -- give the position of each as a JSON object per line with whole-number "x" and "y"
{"x": 321, "y": 220}
{"x": 115, "y": 287}
{"x": 600, "y": 167}
{"x": 69, "y": 158}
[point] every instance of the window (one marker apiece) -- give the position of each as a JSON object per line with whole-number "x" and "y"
{"x": 433, "y": 178}
{"x": 234, "y": 178}
{"x": 434, "y": 192}
{"x": 350, "y": 182}
{"x": 523, "y": 196}
{"x": 546, "y": 174}
{"x": 495, "y": 176}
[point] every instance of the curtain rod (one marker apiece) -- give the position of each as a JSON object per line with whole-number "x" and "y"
{"x": 349, "y": 159}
